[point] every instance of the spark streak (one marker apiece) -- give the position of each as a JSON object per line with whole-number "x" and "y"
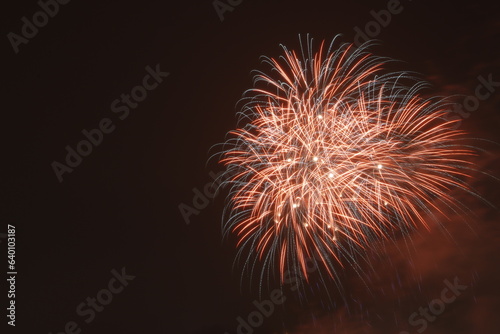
{"x": 334, "y": 151}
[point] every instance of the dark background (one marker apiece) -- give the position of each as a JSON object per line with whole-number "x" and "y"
{"x": 119, "y": 208}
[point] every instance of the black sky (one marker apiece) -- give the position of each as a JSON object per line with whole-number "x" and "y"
{"x": 119, "y": 207}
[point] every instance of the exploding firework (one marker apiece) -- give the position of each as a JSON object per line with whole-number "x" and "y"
{"x": 334, "y": 153}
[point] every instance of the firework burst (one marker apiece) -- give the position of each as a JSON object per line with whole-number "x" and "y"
{"x": 332, "y": 154}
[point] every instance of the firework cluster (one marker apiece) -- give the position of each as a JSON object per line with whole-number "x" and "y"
{"x": 333, "y": 153}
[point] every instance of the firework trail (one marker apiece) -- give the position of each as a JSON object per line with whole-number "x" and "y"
{"x": 332, "y": 154}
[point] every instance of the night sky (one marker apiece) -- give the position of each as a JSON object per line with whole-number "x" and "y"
{"x": 118, "y": 208}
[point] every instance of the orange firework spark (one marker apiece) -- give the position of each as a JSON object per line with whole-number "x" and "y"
{"x": 335, "y": 152}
